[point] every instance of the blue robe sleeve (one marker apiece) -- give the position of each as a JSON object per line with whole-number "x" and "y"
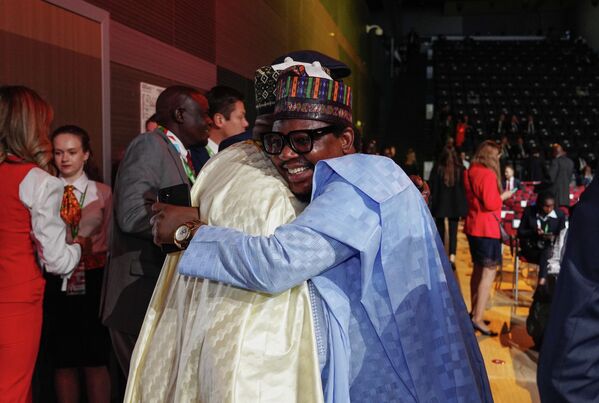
{"x": 294, "y": 253}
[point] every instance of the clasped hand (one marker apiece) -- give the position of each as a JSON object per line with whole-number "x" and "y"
{"x": 167, "y": 218}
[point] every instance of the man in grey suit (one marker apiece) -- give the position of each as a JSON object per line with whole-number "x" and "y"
{"x": 153, "y": 160}
{"x": 560, "y": 174}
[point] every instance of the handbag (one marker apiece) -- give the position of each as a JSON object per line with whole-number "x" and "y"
{"x": 505, "y": 237}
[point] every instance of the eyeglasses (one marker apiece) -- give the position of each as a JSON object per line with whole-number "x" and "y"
{"x": 300, "y": 141}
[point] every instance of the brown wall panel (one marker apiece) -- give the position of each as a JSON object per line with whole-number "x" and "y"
{"x": 184, "y": 24}
{"x": 47, "y": 23}
{"x": 194, "y": 29}
{"x": 69, "y": 81}
{"x": 142, "y": 52}
{"x": 125, "y": 103}
{"x": 249, "y": 35}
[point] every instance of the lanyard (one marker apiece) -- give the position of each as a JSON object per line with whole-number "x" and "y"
{"x": 210, "y": 152}
{"x": 183, "y": 153}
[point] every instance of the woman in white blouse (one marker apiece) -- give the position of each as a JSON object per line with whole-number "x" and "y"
{"x": 32, "y": 235}
{"x": 77, "y": 341}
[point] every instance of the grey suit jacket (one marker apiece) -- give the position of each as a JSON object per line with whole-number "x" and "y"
{"x": 560, "y": 173}
{"x": 150, "y": 163}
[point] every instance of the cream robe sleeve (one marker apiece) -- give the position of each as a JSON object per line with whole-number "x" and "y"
{"x": 209, "y": 342}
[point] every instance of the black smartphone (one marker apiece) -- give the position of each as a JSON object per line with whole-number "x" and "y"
{"x": 178, "y": 195}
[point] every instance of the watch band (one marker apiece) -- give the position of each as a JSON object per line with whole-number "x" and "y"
{"x": 192, "y": 226}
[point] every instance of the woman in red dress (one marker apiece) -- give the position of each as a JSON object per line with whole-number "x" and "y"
{"x": 32, "y": 234}
{"x": 485, "y": 197}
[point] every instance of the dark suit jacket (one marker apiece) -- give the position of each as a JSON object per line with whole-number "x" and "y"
{"x": 247, "y": 135}
{"x": 199, "y": 157}
{"x": 535, "y": 169}
{"x": 150, "y": 163}
{"x": 560, "y": 173}
{"x": 517, "y": 183}
{"x": 527, "y": 231}
{"x": 569, "y": 359}
{"x": 447, "y": 201}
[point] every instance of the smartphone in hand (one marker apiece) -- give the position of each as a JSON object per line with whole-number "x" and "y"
{"x": 179, "y": 195}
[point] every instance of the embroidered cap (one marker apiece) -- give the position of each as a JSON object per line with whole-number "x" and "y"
{"x": 335, "y": 68}
{"x": 301, "y": 94}
{"x": 265, "y": 80}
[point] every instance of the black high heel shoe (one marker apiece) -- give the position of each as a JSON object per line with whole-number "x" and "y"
{"x": 484, "y": 332}
{"x": 486, "y": 322}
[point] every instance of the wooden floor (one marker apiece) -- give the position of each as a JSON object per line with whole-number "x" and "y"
{"x": 511, "y": 364}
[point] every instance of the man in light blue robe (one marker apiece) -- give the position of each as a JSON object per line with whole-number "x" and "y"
{"x": 391, "y": 325}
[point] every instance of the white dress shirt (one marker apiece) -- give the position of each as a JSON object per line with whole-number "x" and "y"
{"x": 42, "y": 193}
{"x": 212, "y": 147}
{"x": 96, "y": 211}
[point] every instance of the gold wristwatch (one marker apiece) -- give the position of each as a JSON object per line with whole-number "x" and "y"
{"x": 184, "y": 233}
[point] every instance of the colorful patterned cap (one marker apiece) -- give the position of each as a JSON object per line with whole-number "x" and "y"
{"x": 302, "y": 96}
{"x": 265, "y": 84}
{"x": 265, "y": 80}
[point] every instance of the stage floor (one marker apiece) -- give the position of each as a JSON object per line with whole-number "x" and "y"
{"x": 511, "y": 364}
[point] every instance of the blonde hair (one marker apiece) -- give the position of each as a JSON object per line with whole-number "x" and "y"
{"x": 484, "y": 156}
{"x": 24, "y": 125}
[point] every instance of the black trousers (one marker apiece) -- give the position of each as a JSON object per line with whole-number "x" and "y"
{"x": 453, "y": 232}
{"x": 538, "y": 256}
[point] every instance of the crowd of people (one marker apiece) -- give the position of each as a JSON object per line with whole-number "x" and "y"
{"x": 228, "y": 264}
{"x": 472, "y": 181}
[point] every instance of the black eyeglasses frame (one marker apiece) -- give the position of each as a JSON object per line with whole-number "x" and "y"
{"x": 313, "y": 134}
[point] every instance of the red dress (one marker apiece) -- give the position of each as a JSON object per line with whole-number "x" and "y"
{"x": 21, "y": 288}
{"x": 484, "y": 202}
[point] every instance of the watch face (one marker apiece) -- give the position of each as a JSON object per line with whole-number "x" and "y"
{"x": 182, "y": 233}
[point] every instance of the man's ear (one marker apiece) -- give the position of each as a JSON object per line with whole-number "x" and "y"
{"x": 178, "y": 114}
{"x": 347, "y": 141}
{"x": 218, "y": 119}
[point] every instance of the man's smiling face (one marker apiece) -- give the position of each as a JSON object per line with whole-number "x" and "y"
{"x": 298, "y": 169}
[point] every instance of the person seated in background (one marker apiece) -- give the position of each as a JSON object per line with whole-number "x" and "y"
{"x": 514, "y": 128}
{"x": 371, "y": 148}
{"x": 519, "y": 150}
{"x": 530, "y": 126}
{"x": 506, "y": 151}
{"x": 391, "y": 152}
{"x": 511, "y": 183}
{"x": 541, "y": 224}
{"x": 538, "y": 314}
{"x": 462, "y": 129}
{"x": 501, "y": 125}
{"x": 410, "y": 166}
{"x": 447, "y": 129}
